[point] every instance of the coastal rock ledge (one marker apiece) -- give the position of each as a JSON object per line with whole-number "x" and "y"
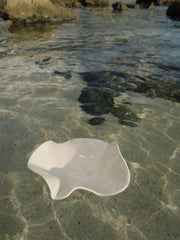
{"x": 34, "y": 11}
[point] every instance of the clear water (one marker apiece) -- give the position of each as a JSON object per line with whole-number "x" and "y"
{"x": 133, "y": 59}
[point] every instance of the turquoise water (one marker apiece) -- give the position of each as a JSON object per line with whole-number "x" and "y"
{"x": 109, "y": 76}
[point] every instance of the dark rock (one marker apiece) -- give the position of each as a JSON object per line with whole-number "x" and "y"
{"x": 131, "y": 5}
{"x": 96, "y": 121}
{"x": 67, "y": 74}
{"x": 97, "y": 98}
{"x": 119, "y": 82}
{"x": 4, "y": 15}
{"x": 95, "y": 101}
{"x": 150, "y": 4}
{"x": 135, "y": 6}
{"x": 174, "y": 11}
{"x": 81, "y": 3}
{"x": 125, "y": 116}
{"x": 118, "y": 6}
{"x": 163, "y": 2}
{"x": 95, "y": 3}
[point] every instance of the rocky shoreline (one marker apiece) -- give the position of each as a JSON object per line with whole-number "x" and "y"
{"x": 173, "y": 10}
{"x": 40, "y": 11}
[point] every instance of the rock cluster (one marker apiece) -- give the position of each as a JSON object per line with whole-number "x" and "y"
{"x": 173, "y": 10}
{"x": 149, "y": 4}
{"x": 82, "y": 3}
{"x": 38, "y": 11}
{"x": 98, "y": 97}
{"x": 33, "y": 11}
{"x": 98, "y": 102}
{"x": 119, "y": 6}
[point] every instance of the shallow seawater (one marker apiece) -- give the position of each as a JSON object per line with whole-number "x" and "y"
{"x": 110, "y": 76}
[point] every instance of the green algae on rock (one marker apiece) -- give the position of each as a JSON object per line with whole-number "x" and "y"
{"x": 38, "y": 11}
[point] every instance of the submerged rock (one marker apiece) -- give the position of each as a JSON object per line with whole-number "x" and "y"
{"x": 38, "y": 11}
{"x": 125, "y": 116}
{"x": 174, "y": 11}
{"x": 96, "y": 121}
{"x": 98, "y": 100}
{"x": 121, "y": 82}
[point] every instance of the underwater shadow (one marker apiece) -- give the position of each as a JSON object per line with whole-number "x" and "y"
{"x": 97, "y": 102}
{"x": 97, "y": 98}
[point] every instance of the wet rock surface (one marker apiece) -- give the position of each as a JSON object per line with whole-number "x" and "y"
{"x": 174, "y": 11}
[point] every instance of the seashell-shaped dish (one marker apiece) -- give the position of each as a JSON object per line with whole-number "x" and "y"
{"x": 81, "y": 163}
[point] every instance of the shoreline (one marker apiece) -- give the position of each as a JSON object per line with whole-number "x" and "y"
{"x": 60, "y": 11}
